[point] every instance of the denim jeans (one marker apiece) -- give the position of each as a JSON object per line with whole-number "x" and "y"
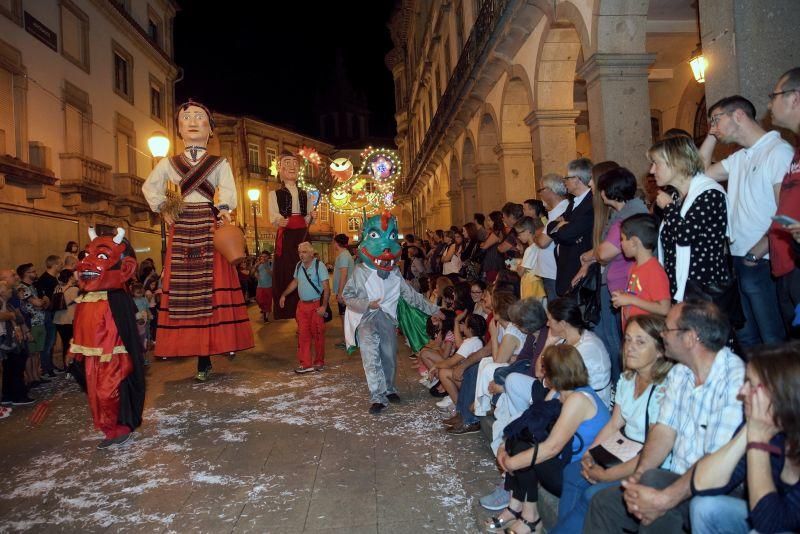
{"x": 788, "y": 287}
{"x": 550, "y": 288}
{"x": 609, "y": 329}
{"x": 576, "y": 494}
{"x": 718, "y": 514}
{"x": 759, "y": 303}
{"x": 49, "y": 342}
{"x": 466, "y": 394}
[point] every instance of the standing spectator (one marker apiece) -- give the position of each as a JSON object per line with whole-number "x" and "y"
{"x": 764, "y": 455}
{"x": 32, "y": 306}
{"x": 70, "y": 259}
{"x": 343, "y": 269}
{"x": 512, "y": 213}
{"x": 263, "y": 274}
{"x": 785, "y": 108}
{"x": 152, "y": 291}
{"x": 493, "y": 260}
{"x": 553, "y": 193}
{"x": 699, "y": 414}
{"x": 451, "y": 259}
{"x": 530, "y": 284}
{"x": 572, "y": 232}
{"x": 480, "y": 222}
{"x": 68, "y": 286}
{"x": 754, "y": 176}
{"x": 408, "y": 241}
{"x": 46, "y": 284}
{"x": 13, "y": 352}
{"x": 602, "y": 211}
{"x": 473, "y": 255}
{"x": 437, "y": 249}
{"x": 142, "y": 315}
{"x": 616, "y": 189}
{"x": 692, "y": 240}
{"x": 311, "y": 281}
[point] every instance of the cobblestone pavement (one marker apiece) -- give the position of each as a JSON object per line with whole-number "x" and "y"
{"x": 255, "y": 449}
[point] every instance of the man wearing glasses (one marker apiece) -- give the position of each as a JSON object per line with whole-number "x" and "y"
{"x": 554, "y": 195}
{"x": 784, "y": 104}
{"x": 572, "y": 232}
{"x": 754, "y": 176}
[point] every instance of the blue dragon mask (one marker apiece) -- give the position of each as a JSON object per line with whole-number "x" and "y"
{"x": 379, "y": 248}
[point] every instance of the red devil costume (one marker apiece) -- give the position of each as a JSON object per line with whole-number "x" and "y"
{"x": 202, "y": 310}
{"x": 106, "y": 339}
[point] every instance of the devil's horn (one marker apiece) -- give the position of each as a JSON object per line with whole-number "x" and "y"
{"x": 92, "y": 233}
{"x": 120, "y": 235}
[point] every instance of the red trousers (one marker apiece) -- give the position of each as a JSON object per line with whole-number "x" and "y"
{"x": 264, "y": 299}
{"x": 310, "y": 327}
{"x": 102, "y": 390}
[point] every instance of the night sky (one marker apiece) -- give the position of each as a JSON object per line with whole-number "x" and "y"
{"x": 272, "y": 60}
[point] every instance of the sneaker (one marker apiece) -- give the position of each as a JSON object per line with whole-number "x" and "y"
{"x": 302, "y": 370}
{"x": 5, "y": 412}
{"x": 496, "y": 500}
{"x": 24, "y": 401}
{"x": 202, "y": 376}
{"x": 376, "y": 408}
{"x": 434, "y": 390}
{"x": 319, "y": 368}
{"x": 464, "y": 429}
{"x": 394, "y": 398}
{"x": 445, "y": 404}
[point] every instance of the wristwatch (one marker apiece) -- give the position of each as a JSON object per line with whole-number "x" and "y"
{"x": 751, "y": 257}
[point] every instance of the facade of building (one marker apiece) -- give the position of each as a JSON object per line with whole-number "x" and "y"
{"x": 492, "y": 94}
{"x": 83, "y": 85}
{"x": 252, "y": 146}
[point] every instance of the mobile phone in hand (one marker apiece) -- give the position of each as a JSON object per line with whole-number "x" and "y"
{"x": 784, "y": 220}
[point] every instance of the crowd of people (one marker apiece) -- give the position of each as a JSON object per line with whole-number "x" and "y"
{"x": 636, "y": 348}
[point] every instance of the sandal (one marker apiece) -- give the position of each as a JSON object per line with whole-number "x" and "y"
{"x": 495, "y": 524}
{"x": 530, "y": 524}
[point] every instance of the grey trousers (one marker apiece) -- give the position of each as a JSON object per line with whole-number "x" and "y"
{"x": 608, "y": 513}
{"x": 377, "y": 342}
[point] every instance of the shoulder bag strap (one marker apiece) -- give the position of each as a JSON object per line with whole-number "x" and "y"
{"x": 647, "y": 411}
{"x": 309, "y": 278}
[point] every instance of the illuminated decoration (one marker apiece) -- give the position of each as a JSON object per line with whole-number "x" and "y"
{"x": 699, "y": 64}
{"x": 342, "y": 169}
{"x": 310, "y": 155}
{"x": 273, "y": 167}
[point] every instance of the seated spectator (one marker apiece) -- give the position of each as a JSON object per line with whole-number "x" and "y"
{"x": 451, "y": 258}
{"x": 764, "y": 455}
{"x": 580, "y": 416}
{"x": 441, "y": 346}
{"x": 640, "y": 392}
{"x": 469, "y": 331}
{"x": 699, "y": 414}
{"x": 476, "y": 291}
{"x": 566, "y": 326}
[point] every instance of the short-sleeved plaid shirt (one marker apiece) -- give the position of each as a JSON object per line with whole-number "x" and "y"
{"x": 705, "y": 417}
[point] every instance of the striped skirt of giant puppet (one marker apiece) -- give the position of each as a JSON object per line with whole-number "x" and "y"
{"x": 202, "y": 310}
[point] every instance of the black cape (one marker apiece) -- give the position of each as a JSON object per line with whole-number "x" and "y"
{"x": 132, "y": 389}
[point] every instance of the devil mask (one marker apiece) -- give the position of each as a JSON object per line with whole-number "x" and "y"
{"x": 109, "y": 262}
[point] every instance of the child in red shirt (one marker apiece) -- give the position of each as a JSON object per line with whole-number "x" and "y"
{"x": 648, "y": 285}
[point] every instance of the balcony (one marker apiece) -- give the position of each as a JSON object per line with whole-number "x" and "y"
{"x": 260, "y": 170}
{"x": 32, "y": 178}
{"x": 130, "y": 200}
{"x": 85, "y": 184}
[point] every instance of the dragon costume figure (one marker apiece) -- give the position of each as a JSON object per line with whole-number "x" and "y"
{"x": 106, "y": 339}
{"x": 378, "y": 299}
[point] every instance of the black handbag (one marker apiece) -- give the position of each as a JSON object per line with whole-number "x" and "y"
{"x": 58, "y": 303}
{"x": 587, "y": 293}
{"x": 328, "y": 313}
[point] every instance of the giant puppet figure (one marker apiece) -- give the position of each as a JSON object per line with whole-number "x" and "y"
{"x": 202, "y": 310}
{"x": 291, "y": 211}
{"x": 106, "y": 338}
{"x": 374, "y": 295}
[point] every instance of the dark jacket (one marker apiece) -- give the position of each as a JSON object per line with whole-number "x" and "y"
{"x": 572, "y": 240}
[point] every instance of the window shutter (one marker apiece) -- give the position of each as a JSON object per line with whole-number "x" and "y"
{"x": 72, "y": 38}
{"x": 7, "y": 113}
{"x": 74, "y": 130}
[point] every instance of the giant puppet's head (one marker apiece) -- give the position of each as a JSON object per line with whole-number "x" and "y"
{"x": 110, "y": 262}
{"x": 379, "y": 248}
{"x": 289, "y": 167}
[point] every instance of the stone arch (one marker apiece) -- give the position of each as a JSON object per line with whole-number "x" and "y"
{"x": 568, "y": 12}
{"x": 490, "y": 196}
{"x": 691, "y": 99}
{"x": 515, "y": 150}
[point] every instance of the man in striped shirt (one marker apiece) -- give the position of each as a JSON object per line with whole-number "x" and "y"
{"x": 699, "y": 415}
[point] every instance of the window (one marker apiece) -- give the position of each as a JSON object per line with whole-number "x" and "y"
{"x": 74, "y": 34}
{"x": 123, "y": 72}
{"x": 7, "y": 121}
{"x": 354, "y": 224}
{"x": 126, "y": 145}
{"x": 323, "y": 212}
{"x": 271, "y": 155}
{"x": 123, "y": 156}
{"x": 252, "y": 153}
{"x": 156, "y": 99}
{"x": 12, "y": 9}
{"x": 77, "y": 120}
{"x": 154, "y": 26}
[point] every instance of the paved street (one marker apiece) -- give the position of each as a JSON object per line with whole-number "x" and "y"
{"x": 256, "y": 449}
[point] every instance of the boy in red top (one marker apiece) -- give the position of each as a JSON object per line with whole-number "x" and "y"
{"x": 648, "y": 285}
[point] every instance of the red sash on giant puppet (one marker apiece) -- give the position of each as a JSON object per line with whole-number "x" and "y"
{"x": 106, "y": 338}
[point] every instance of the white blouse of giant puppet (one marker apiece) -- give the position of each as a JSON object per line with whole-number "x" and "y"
{"x": 195, "y": 129}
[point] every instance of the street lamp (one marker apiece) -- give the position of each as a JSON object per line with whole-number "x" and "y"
{"x": 159, "y": 148}
{"x": 254, "y": 195}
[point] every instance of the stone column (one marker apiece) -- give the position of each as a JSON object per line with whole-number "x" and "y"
{"x": 456, "y": 207}
{"x": 444, "y": 218}
{"x": 469, "y": 198}
{"x": 516, "y": 164}
{"x": 553, "y": 136}
{"x": 748, "y": 63}
{"x": 619, "y": 108}
{"x": 491, "y": 193}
